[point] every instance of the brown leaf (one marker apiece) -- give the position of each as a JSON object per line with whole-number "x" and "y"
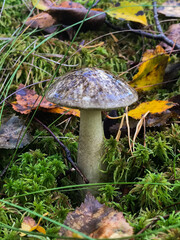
{"x": 66, "y": 13}
{"x": 28, "y": 100}
{"x": 96, "y": 220}
{"x": 42, "y": 20}
{"x": 173, "y": 33}
{"x": 170, "y": 8}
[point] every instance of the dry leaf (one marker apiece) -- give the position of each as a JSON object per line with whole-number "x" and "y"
{"x": 129, "y": 11}
{"x": 28, "y": 100}
{"x": 153, "y": 107}
{"x": 152, "y": 70}
{"x": 66, "y": 13}
{"x": 30, "y": 225}
{"x": 97, "y": 221}
{"x": 11, "y": 131}
{"x": 170, "y": 9}
{"x": 42, "y": 20}
{"x": 173, "y": 33}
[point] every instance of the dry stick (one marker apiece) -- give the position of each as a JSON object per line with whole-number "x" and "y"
{"x": 138, "y": 128}
{"x": 120, "y": 127}
{"x": 161, "y": 36}
{"x": 68, "y": 154}
{"x": 128, "y": 130}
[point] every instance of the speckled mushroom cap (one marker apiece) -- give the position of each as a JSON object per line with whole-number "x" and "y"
{"x": 91, "y": 88}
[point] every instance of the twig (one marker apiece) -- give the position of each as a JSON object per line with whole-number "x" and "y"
{"x": 158, "y": 25}
{"x": 161, "y": 36}
{"x": 68, "y": 154}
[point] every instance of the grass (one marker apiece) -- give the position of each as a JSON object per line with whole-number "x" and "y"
{"x": 143, "y": 186}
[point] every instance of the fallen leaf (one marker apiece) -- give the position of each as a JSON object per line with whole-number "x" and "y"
{"x": 27, "y": 224}
{"x": 151, "y": 70}
{"x": 42, "y": 4}
{"x": 129, "y": 11}
{"x": 66, "y": 13}
{"x": 30, "y": 225}
{"x": 41, "y": 20}
{"x": 173, "y": 33}
{"x": 28, "y": 100}
{"x": 155, "y": 106}
{"x": 170, "y": 9}
{"x": 63, "y": 110}
{"x": 11, "y": 131}
{"x": 158, "y": 119}
{"x": 97, "y": 221}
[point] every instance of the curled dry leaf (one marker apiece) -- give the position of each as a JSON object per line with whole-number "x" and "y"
{"x": 28, "y": 100}
{"x": 151, "y": 70}
{"x": 172, "y": 33}
{"x": 97, "y": 221}
{"x": 170, "y": 8}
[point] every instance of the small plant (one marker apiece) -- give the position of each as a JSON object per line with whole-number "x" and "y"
{"x": 153, "y": 191}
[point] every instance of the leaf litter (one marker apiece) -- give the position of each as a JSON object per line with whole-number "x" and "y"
{"x": 28, "y": 100}
{"x": 96, "y": 220}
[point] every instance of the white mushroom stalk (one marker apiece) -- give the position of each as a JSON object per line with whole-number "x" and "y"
{"x": 91, "y": 138}
{"x": 91, "y": 90}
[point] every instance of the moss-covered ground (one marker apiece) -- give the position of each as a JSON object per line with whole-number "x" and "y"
{"x": 38, "y": 177}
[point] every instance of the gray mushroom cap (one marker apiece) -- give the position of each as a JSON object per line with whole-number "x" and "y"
{"x": 91, "y": 88}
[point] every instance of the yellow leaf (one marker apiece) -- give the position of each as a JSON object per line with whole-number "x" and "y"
{"x": 151, "y": 71}
{"x": 153, "y": 107}
{"x": 41, "y": 229}
{"x": 42, "y": 4}
{"x": 129, "y": 11}
{"x": 30, "y": 225}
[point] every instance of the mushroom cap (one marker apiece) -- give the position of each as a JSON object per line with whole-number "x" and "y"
{"x": 91, "y": 88}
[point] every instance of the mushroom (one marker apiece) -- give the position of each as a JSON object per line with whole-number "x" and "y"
{"x": 91, "y": 90}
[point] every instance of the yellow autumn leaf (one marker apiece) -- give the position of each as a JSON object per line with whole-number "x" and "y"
{"x": 155, "y": 106}
{"x": 42, "y": 4}
{"x": 41, "y": 229}
{"x": 129, "y": 11}
{"x": 151, "y": 71}
{"x": 30, "y": 225}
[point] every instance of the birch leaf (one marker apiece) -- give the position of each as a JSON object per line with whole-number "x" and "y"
{"x": 129, "y": 11}
{"x": 153, "y": 107}
{"x": 152, "y": 70}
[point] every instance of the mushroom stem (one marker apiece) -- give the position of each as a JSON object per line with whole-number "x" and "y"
{"x": 90, "y": 144}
